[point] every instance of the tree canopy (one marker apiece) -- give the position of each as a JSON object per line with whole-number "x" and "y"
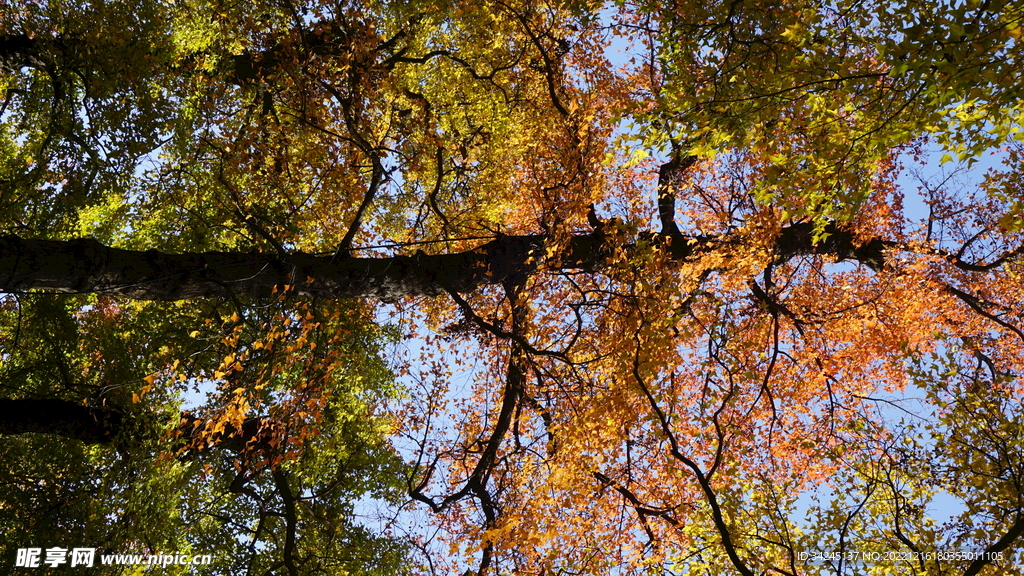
{"x": 569, "y": 287}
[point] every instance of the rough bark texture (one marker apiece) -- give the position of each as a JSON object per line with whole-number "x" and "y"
{"x": 86, "y": 266}
{"x": 59, "y": 417}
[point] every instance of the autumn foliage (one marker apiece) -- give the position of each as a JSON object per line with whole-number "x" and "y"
{"x": 659, "y": 288}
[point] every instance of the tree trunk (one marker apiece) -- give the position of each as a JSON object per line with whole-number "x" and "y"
{"x": 86, "y": 266}
{"x": 100, "y": 425}
{"x": 59, "y": 417}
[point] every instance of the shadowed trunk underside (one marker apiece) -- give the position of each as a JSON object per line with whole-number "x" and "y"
{"x": 86, "y": 266}
{"x": 59, "y": 417}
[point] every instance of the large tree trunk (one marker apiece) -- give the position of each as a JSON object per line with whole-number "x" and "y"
{"x": 61, "y": 418}
{"x": 100, "y": 425}
{"x": 86, "y": 266}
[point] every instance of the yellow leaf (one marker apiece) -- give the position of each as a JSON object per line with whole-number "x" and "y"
{"x": 791, "y": 31}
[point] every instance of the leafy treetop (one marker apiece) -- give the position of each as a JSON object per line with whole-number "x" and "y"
{"x": 681, "y": 286}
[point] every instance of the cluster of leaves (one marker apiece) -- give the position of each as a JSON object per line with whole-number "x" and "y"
{"x": 722, "y": 309}
{"x": 109, "y": 130}
{"x": 823, "y": 92}
{"x": 255, "y": 489}
{"x": 84, "y": 100}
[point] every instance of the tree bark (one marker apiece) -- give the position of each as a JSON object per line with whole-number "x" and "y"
{"x": 100, "y": 425}
{"x": 86, "y": 266}
{"x": 59, "y": 417}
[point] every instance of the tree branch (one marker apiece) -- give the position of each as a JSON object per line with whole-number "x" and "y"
{"x": 60, "y": 417}
{"x": 85, "y": 266}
